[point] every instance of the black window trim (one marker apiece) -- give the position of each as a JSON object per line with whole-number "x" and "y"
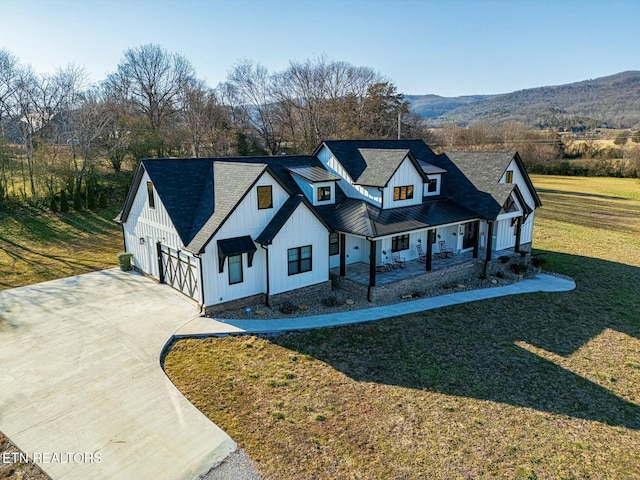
{"x": 323, "y": 189}
{"x": 398, "y": 192}
{"x": 151, "y": 196}
{"x": 403, "y": 240}
{"x": 299, "y": 260}
{"x": 241, "y": 269}
{"x": 270, "y": 196}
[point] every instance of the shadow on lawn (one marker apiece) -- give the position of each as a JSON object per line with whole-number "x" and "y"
{"x": 470, "y": 350}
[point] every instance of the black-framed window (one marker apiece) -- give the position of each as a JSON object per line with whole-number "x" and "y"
{"x": 401, "y": 242}
{"x": 299, "y": 259}
{"x": 265, "y": 197}
{"x": 403, "y": 193}
{"x": 334, "y": 244}
{"x": 235, "y": 269}
{"x": 432, "y": 186}
{"x": 152, "y": 198}
{"x": 324, "y": 194}
{"x": 508, "y": 177}
{"x": 510, "y": 205}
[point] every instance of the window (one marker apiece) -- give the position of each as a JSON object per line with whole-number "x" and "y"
{"x": 401, "y": 242}
{"x": 265, "y": 197}
{"x": 432, "y": 186}
{"x": 235, "y": 269}
{"x": 152, "y": 200}
{"x": 508, "y": 177}
{"x": 324, "y": 194}
{"x": 299, "y": 260}
{"x": 510, "y": 205}
{"x": 334, "y": 244}
{"x": 403, "y": 193}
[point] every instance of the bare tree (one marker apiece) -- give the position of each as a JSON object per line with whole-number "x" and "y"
{"x": 250, "y": 93}
{"x": 151, "y": 81}
{"x": 203, "y": 119}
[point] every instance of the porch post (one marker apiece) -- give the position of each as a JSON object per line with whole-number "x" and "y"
{"x": 159, "y": 257}
{"x": 489, "y": 240}
{"x": 430, "y": 235}
{"x": 518, "y": 232}
{"x": 489, "y": 246}
{"x": 476, "y": 233}
{"x": 372, "y": 263}
{"x": 342, "y": 239}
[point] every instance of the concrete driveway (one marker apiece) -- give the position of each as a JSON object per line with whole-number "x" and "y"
{"x": 81, "y": 388}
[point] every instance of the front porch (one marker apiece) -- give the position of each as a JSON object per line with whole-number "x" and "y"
{"x": 462, "y": 268}
{"x": 359, "y": 272}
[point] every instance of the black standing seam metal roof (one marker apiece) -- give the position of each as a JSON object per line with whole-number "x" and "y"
{"x": 361, "y": 218}
{"x": 313, "y": 174}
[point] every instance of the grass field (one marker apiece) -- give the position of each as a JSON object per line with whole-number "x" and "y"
{"x": 536, "y": 386}
{"x": 37, "y": 245}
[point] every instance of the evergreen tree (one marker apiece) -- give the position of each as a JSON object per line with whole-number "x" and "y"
{"x": 53, "y": 204}
{"x": 64, "y": 204}
{"x": 77, "y": 201}
{"x": 91, "y": 198}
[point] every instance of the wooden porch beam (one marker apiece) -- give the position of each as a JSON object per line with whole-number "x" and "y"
{"x": 430, "y": 237}
{"x": 372, "y": 263}
{"x": 342, "y": 239}
{"x": 476, "y": 233}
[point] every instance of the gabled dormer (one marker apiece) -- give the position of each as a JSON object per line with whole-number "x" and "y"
{"x": 317, "y": 184}
{"x": 433, "y": 185}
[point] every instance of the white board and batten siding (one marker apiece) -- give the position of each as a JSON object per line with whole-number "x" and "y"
{"x": 405, "y": 175}
{"x": 150, "y": 224}
{"x": 301, "y": 229}
{"x": 247, "y": 219}
{"x": 331, "y": 163}
{"x": 518, "y": 179}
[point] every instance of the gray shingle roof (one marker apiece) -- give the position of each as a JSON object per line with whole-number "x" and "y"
{"x": 347, "y": 151}
{"x": 381, "y": 165}
{"x": 231, "y": 182}
{"x": 483, "y": 170}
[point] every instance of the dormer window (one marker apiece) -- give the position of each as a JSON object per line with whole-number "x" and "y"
{"x": 432, "y": 185}
{"x": 265, "y": 197}
{"x": 152, "y": 200}
{"x": 508, "y": 176}
{"x": 324, "y": 194}
{"x": 403, "y": 193}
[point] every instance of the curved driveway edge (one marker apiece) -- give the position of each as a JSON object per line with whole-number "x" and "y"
{"x": 81, "y": 387}
{"x": 202, "y": 326}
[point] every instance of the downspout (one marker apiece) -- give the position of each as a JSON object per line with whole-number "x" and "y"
{"x": 266, "y": 252}
{"x": 203, "y": 309}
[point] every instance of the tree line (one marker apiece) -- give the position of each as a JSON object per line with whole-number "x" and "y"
{"x": 57, "y": 131}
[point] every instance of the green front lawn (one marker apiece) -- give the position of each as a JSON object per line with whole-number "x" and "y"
{"x": 535, "y": 386}
{"x": 37, "y": 245}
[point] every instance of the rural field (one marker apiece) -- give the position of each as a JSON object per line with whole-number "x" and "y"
{"x": 542, "y": 386}
{"x": 37, "y": 245}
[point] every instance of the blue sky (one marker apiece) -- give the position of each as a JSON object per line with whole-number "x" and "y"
{"x": 449, "y": 48}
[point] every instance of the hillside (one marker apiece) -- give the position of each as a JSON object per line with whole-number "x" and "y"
{"x": 612, "y": 101}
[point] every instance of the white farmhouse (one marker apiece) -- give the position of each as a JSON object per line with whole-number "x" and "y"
{"x": 247, "y": 228}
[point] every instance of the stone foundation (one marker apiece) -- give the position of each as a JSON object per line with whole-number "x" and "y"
{"x": 305, "y": 295}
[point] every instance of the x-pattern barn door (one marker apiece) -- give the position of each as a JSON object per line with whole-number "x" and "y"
{"x": 180, "y": 271}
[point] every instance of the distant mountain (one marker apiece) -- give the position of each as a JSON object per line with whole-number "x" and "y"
{"x": 612, "y": 101}
{"x": 434, "y": 106}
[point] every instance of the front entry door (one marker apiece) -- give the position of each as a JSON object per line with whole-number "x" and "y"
{"x": 469, "y": 235}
